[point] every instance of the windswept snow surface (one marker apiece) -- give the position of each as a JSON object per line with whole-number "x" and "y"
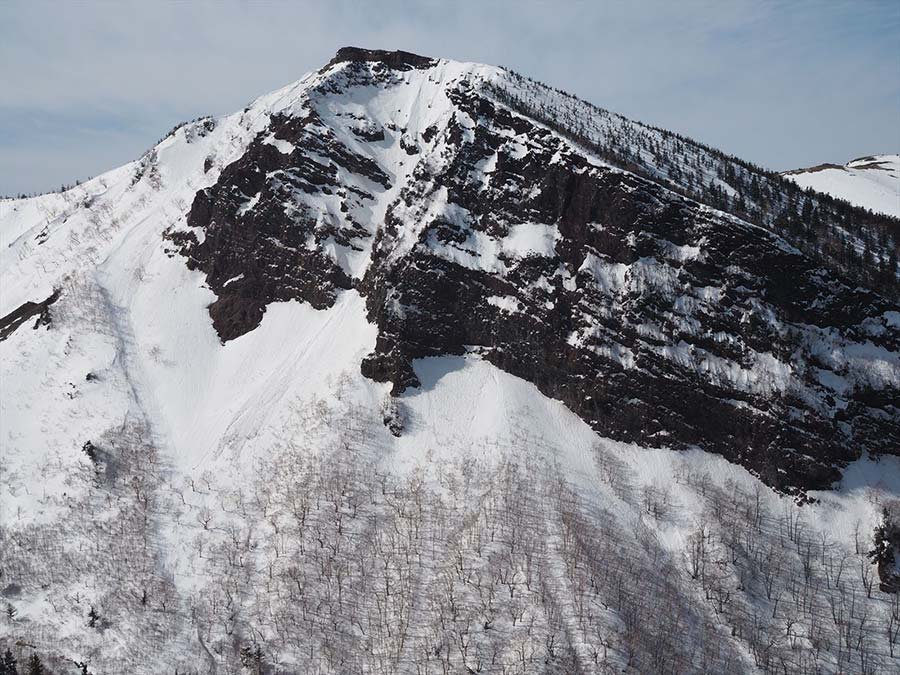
{"x": 244, "y": 508}
{"x": 871, "y": 182}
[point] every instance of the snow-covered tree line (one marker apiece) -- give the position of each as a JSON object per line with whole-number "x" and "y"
{"x": 322, "y": 559}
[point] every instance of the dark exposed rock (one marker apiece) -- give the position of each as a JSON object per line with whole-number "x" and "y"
{"x": 24, "y": 312}
{"x": 392, "y": 417}
{"x": 398, "y": 60}
{"x": 371, "y": 135}
{"x": 260, "y": 255}
{"x": 91, "y": 451}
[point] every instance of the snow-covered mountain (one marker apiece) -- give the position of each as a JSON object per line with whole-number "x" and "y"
{"x": 422, "y": 366}
{"x": 870, "y": 182}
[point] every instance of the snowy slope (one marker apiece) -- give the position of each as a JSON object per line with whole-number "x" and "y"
{"x": 257, "y": 505}
{"x": 870, "y": 182}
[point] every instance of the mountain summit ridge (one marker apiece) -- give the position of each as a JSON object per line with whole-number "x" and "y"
{"x": 872, "y": 181}
{"x": 396, "y": 58}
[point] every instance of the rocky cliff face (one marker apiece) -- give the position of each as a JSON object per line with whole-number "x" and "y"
{"x": 470, "y": 226}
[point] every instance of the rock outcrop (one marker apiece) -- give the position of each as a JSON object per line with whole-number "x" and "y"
{"x": 470, "y": 227}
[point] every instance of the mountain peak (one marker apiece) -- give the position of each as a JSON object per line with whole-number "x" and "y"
{"x": 654, "y": 272}
{"x": 872, "y": 181}
{"x": 386, "y": 373}
{"x": 399, "y": 59}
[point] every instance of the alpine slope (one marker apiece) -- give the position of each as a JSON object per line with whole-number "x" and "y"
{"x": 419, "y": 366}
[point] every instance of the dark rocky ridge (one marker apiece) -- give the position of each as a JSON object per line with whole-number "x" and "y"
{"x": 645, "y": 342}
{"x": 399, "y": 60}
{"x": 26, "y": 311}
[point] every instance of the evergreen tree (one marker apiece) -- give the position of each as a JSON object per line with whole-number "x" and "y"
{"x": 8, "y": 664}
{"x": 252, "y": 658}
{"x": 35, "y": 667}
{"x": 807, "y": 212}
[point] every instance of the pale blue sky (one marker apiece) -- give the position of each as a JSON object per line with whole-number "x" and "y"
{"x": 87, "y": 86}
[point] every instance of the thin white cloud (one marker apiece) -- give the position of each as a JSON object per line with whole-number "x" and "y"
{"x": 782, "y": 84}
